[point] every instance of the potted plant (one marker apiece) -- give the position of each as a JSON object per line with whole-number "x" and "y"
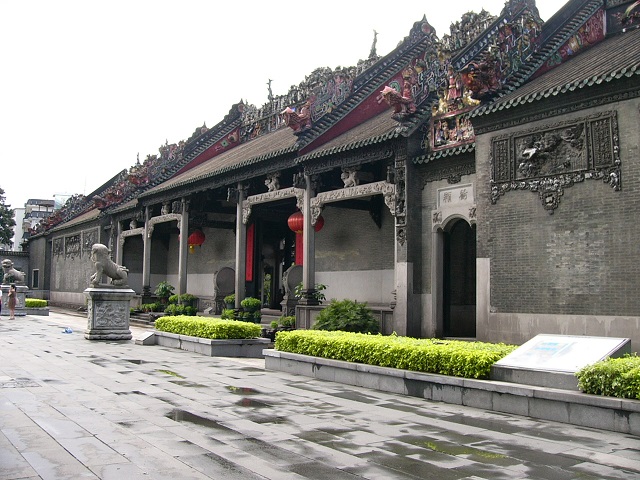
{"x": 230, "y": 301}
{"x": 163, "y": 291}
{"x": 251, "y": 304}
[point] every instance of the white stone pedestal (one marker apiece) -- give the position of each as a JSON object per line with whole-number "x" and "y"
{"x": 108, "y": 313}
{"x": 20, "y": 310}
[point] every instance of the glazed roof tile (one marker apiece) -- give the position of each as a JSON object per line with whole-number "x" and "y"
{"x": 262, "y": 148}
{"x": 82, "y": 218}
{"x": 611, "y": 59}
{"x": 447, "y": 152}
{"x": 375, "y": 130}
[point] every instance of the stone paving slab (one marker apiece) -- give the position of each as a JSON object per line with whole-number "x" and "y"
{"x": 74, "y": 408}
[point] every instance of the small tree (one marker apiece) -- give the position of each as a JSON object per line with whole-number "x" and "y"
{"x": 6, "y": 221}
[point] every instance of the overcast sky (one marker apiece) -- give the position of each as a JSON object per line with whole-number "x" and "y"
{"x": 87, "y": 85}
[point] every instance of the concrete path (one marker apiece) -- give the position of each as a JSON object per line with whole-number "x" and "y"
{"x": 72, "y": 408}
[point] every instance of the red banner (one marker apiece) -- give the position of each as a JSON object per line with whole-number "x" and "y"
{"x": 251, "y": 236}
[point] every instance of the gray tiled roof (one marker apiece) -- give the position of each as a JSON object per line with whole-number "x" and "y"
{"x": 613, "y": 58}
{"x": 267, "y": 146}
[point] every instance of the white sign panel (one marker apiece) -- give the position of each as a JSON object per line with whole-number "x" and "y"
{"x": 562, "y": 353}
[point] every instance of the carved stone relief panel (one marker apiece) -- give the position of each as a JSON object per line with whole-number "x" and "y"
{"x": 58, "y": 246}
{"x": 89, "y": 238}
{"x": 551, "y": 158}
{"x": 72, "y": 246}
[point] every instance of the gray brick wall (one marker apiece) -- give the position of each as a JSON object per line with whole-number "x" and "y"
{"x": 583, "y": 259}
{"x": 350, "y": 240}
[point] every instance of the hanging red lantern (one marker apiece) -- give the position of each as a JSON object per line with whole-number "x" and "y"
{"x": 296, "y": 222}
{"x": 195, "y": 239}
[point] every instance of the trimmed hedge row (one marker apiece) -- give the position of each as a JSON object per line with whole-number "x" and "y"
{"x": 614, "y": 377}
{"x": 35, "y": 303}
{"x": 207, "y": 327}
{"x": 446, "y": 357}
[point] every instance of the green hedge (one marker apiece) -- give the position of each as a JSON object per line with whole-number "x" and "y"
{"x": 207, "y": 327}
{"x": 445, "y": 357}
{"x": 614, "y": 377}
{"x": 35, "y": 303}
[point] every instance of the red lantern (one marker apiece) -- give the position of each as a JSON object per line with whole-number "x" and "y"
{"x": 195, "y": 239}
{"x": 296, "y": 222}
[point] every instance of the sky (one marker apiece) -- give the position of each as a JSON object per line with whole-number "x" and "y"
{"x": 88, "y": 85}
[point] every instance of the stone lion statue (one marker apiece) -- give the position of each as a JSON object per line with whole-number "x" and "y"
{"x": 104, "y": 265}
{"x": 11, "y": 275}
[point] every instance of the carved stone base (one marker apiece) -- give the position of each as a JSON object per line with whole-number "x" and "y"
{"x": 21, "y": 290}
{"x": 108, "y": 313}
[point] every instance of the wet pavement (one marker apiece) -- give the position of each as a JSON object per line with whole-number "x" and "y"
{"x": 73, "y": 408}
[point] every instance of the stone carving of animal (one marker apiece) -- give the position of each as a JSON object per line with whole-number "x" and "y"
{"x": 349, "y": 178}
{"x": 104, "y": 265}
{"x": 11, "y": 275}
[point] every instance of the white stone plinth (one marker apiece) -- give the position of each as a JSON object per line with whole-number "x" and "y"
{"x": 108, "y": 313}
{"x": 21, "y": 290}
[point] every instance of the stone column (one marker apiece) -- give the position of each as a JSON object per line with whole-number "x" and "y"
{"x": 241, "y": 246}
{"x": 183, "y": 249}
{"x": 309, "y": 249}
{"x": 403, "y": 321}
{"x": 118, "y": 246}
{"x": 146, "y": 257}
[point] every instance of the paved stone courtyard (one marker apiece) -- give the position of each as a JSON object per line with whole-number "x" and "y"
{"x": 72, "y": 408}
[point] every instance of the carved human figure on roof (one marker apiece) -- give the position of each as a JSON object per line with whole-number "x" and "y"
{"x": 297, "y": 121}
{"x": 454, "y": 89}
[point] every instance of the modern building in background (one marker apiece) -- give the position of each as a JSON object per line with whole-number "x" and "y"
{"x": 35, "y": 211}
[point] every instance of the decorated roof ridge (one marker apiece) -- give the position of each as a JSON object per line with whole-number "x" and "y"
{"x": 126, "y": 184}
{"x": 245, "y": 163}
{"x": 384, "y": 69}
{"x": 508, "y": 100}
{"x": 612, "y": 73}
{"x": 446, "y": 152}
{"x": 550, "y": 46}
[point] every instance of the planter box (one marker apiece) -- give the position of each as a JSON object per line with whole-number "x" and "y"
{"x": 37, "y": 311}
{"x": 576, "y": 408}
{"x": 248, "y": 348}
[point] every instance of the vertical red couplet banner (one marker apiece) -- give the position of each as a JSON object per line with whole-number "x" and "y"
{"x": 251, "y": 236}
{"x": 299, "y": 248}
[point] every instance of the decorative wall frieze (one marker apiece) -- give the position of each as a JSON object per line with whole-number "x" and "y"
{"x": 348, "y": 160}
{"x": 58, "y": 246}
{"x": 89, "y": 238}
{"x": 131, "y": 233}
{"x": 169, "y": 217}
{"x": 72, "y": 246}
{"x": 452, "y": 172}
{"x": 387, "y": 190}
{"x": 291, "y": 192}
{"x": 545, "y": 113}
{"x": 553, "y": 157}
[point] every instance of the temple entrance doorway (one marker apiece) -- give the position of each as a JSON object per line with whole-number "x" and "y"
{"x": 275, "y": 256}
{"x": 459, "y": 280}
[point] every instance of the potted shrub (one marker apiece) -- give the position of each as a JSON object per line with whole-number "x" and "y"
{"x": 163, "y": 291}
{"x": 288, "y": 322}
{"x": 251, "y": 304}
{"x": 230, "y": 301}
